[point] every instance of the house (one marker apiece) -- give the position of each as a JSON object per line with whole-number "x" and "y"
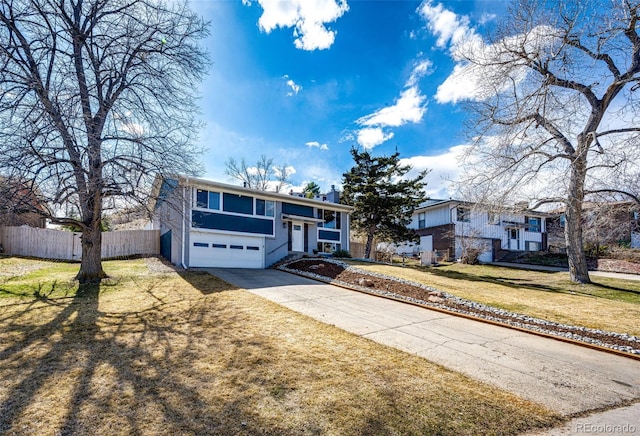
{"x": 456, "y": 226}
{"x": 209, "y": 224}
{"x": 20, "y": 205}
{"x": 604, "y": 224}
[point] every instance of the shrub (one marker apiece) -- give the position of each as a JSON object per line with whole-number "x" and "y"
{"x": 341, "y": 253}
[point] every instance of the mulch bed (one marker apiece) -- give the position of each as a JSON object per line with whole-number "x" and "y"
{"x": 344, "y": 274}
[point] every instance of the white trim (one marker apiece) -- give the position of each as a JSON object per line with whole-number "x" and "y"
{"x": 289, "y": 217}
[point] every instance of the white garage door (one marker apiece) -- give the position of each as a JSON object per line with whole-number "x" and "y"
{"x": 226, "y": 251}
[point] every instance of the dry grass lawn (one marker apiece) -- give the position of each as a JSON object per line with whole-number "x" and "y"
{"x": 185, "y": 353}
{"x": 609, "y": 304}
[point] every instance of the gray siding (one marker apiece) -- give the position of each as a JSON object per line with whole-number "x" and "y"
{"x": 168, "y": 214}
{"x": 276, "y": 248}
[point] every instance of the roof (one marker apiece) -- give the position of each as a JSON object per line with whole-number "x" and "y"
{"x": 435, "y": 203}
{"x": 277, "y": 196}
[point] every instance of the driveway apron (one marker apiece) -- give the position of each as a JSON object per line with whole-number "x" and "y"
{"x": 567, "y": 378}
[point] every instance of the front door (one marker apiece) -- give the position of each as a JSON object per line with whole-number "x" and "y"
{"x": 297, "y": 236}
{"x": 514, "y": 239}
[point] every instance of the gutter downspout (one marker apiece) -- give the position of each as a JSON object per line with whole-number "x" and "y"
{"x": 184, "y": 217}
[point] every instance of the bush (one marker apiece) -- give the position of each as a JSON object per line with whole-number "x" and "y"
{"x": 471, "y": 256}
{"x": 341, "y": 253}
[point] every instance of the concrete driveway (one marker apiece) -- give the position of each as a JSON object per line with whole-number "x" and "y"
{"x": 567, "y": 378}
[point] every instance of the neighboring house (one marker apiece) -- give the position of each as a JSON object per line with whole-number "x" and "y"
{"x": 603, "y": 224}
{"x": 454, "y": 226}
{"x": 209, "y": 224}
{"x": 20, "y": 206}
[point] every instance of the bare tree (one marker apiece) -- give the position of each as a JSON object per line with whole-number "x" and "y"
{"x": 96, "y": 98}
{"x": 260, "y": 176}
{"x": 557, "y": 108}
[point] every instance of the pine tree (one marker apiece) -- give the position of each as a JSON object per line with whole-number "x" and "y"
{"x": 382, "y": 197}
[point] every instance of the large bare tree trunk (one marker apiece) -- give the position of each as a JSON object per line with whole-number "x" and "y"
{"x": 578, "y": 270}
{"x": 91, "y": 265}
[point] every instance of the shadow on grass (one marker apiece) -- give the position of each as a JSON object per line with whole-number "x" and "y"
{"x": 518, "y": 283}
{"x": 102, "y": 360}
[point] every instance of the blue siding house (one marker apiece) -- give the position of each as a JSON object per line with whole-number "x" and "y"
{"x": 209, "y": 224}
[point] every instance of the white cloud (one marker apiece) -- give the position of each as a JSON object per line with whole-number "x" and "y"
{"x": 295, "y": 88}
{"x": 445, "y": 24}
{"x": 408, "y": 108}
{"x": 369, "y": 137}
{"x": 487, "y": 17}
{"x": 445, "y": 170}
{"x": 312, "y": 144}
{"x": 134, "y": 129}
{"x": 308, "y": 18}
{"x": 421, "y": 69}
{"x": 484, "y": 77}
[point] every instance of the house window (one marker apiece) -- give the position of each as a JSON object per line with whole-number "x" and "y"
{"x": 533, "y": 224}
{"x": 463, "y": 214}
{"x": 421, "y": 220}
{"x": 331, "y": 219}
{"x": 202, "y": 198}
{"x": 493, "y": 218}
{"x": 265, "y": 207}
{"x": 328, "y": 247}
{"x": 532, "y": 246}
{"x": 207, "y": 199}
{"x": 237, "y": 203}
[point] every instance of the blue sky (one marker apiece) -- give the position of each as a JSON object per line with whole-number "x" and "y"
{"x": 302, "y": 81}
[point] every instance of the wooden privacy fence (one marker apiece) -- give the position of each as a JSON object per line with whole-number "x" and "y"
{"x": 62, "y": 245}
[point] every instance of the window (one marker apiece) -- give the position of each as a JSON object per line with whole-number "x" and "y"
{"x": 214, "y": 200}
{"x": 265, "y": 207}
{"x": 296, "y": 209}
{"x": 253, "y": 248}
{"x": 236, "y": 247}
{"x": 207, "y": 199}
{"x": 532, "y": 246}
{"x": 200, "y": 244}
{"x": 331, "y": 219}
{"x": 237, "y": 203}
{"x": 202, "y": 198}
{"x": 493, "y": 218}
{"x": 219, "y": 245}
{"x": 422, "y": 220}
{"x": 463, "y": 214}
{"x": 533, "y": 224}
{"x": 328, "y": 247}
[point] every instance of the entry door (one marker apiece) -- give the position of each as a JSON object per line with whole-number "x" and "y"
{"x": 514, "y": 239}
{"x": 297, "y": 236}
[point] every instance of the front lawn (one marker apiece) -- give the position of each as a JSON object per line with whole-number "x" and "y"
{"x": 165, "y": 352}
{"x": 608, "y": 304}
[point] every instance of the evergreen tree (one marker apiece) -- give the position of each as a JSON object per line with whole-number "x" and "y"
{"x": 311, "y": 190}
{"x": 382, "y": 197}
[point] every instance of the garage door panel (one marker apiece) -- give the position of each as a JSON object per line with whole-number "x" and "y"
{"x": 226, "y": 251}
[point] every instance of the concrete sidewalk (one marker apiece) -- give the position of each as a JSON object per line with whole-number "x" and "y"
{"x": 566, "y": 378}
